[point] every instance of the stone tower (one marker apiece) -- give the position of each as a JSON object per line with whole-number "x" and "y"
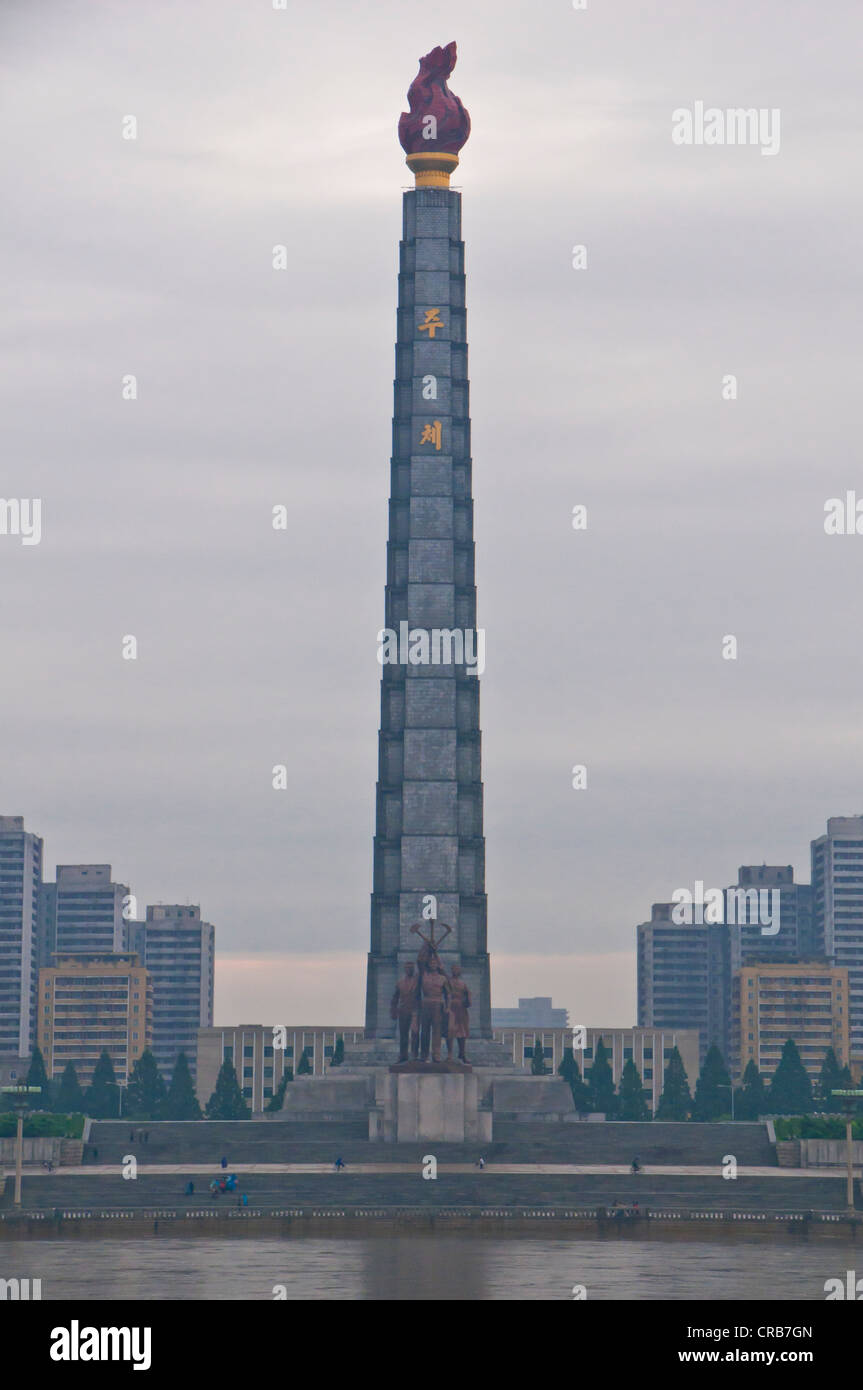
{"x": 429, "y": 851}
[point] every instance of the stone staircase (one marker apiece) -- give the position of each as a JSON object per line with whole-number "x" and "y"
{"x": 349, "y": 1191}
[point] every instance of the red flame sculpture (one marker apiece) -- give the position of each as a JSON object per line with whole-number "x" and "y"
{"x": 429, "y": 95}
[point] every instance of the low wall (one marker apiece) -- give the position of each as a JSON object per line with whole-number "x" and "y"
{"x": 33, "y": 1151}
{"x": 830, "y": 1153}
{"x": 592, "y": 1222}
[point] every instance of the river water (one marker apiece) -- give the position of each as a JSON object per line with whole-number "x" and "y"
{"x": 430, "y": 1266}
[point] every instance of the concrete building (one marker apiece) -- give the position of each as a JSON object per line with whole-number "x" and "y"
{"x": 752, "y": 937}
{"x": 259, "y": 1063}
{"x": 807, "y": 1002}
{"x": 684, "y": 978}
{"x": 177, "y": 949}
{"x": 648, "y": 1048}
{"x": 837, "y": 886}
{"x": 429, "y": 808}
{"x": 85, "y": 912}
{"x": 92, "y": 1002}
{"x": 20, "y": 878}
{"x": 531, "y": 1013}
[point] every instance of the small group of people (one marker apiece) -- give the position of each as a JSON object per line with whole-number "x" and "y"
{"x": 430, "y": 1005}
{"x": 143, "y": 1136}
{"x": 619, "y": 1213}
{"x": 219, "y": 1185}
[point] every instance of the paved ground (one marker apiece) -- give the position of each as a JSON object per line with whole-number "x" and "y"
{"x": 491, "y": 1170}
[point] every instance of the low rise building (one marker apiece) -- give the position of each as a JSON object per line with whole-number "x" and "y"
{"x": 259, "y": 1060}
{"x": 648, "y": 1048}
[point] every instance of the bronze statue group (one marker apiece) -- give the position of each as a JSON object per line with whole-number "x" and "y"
{"x": 430, "y": 1005}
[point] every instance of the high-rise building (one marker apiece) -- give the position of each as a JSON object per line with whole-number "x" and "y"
{"x": 86, "y": 911}
{"x": 177, "y": 949}
{"x": 769, "y": 916}
{"x": 531, "y": 1013}
{"x": 837, "y": 886}
{"x": 89, "y": 1003}
{"x": 684, "y": 978}
{"x": 806, "y": 1002}
{"x": 429, "y": 851}
{"x": 20, "y": 878}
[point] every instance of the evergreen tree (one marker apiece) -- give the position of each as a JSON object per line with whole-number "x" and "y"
{"x": 712, "y": 1089}
{"x": 846, "y": 1080}
{"x": 675, "y": 1102}
{"x": 69, "y": 1099}
{"x": 146, "y": 1093}
{"x": 338, "y": 1053}
{"x": 570, "y": 1072}
{"x": 790, "y": 1089}
{"x": 537, "y": 1061}
{"x": 829, "y": 1081}
{"x": 181, "y": 1102}
{"x": 305, "y": 1066}
{"x": 631, "y": 1102}
{"x": 103, "y": 1093}
{"x": 38, "y": 1076}
{"x": 601, "y": 1082}
{"x": 750, "y": 1101}
{"x": 277, "y": 1099}
{"x": 227, "y": 1102}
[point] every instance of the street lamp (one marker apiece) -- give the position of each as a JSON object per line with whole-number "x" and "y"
{"x": 19, "y": 1095}
{"x": 850, "y": 1098}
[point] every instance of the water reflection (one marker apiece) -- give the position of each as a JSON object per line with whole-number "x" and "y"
{"x": 424, "y": 1265}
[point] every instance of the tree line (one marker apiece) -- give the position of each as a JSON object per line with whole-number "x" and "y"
{"x": 788, "y": 1092}
{"x": 148, "y": 1097}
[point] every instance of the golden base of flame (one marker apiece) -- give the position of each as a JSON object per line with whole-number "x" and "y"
{"x": 432, "y": 170}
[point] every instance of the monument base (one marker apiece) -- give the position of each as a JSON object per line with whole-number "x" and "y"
{"x": 441, "y": 1068}
{"x": 431, "y": 1102}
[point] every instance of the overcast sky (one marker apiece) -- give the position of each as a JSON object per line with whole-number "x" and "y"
{"x": 601, "y": 386}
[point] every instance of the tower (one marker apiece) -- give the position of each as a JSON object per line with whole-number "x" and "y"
{"x": 429, "y": 851}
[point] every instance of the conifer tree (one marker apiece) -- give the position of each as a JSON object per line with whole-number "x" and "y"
{"x": 712, "y": 1089}
{"x": 828, "y": 1081}
{"x": 227, "y": 1101}
{"x": 750, "y": 1101}
{"x": 601, "y": 1081}
{"x": 675, "y": 1102}
{"x": 277, "y": 1099}
{"x": 631, "y": 1102}
{"x": 38, "y": 1076}
{"x": 537, "y": 1061}
{"x": 103, "y": 1094}
{"x": 791, "y": 1088}
{"x": 570, "y": 1072}
{"x": 181, "y": 1102}
{"x": 305, "y": 1066}
{"x": 69, "y": 1099}
{"x": 146, "y": 1093}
